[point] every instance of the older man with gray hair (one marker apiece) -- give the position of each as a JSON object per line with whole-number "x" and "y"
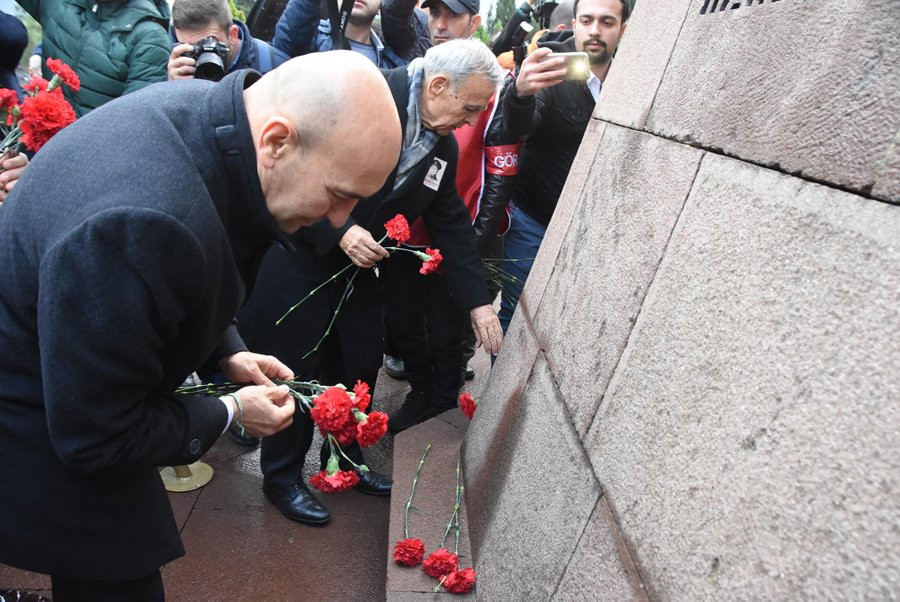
{"x": 433, "y": 95}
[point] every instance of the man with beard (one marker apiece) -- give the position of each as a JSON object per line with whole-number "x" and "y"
{"x": 300, "y": 31}
{"x": 554, "y": 115}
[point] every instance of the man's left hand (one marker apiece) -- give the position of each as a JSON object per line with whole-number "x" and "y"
{"x": 247, "y": 367}
{"x": 487, "y": 328}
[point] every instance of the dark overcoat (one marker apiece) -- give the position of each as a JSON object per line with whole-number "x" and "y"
{"x": 126, "y": 251}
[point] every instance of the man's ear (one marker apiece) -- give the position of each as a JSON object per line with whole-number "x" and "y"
{"x": 234, "y": 35}
{"x": 436, "y": 85}
{"x": 277, "y": 137}
{"x": 561, "y": 27}
{"x": 474, "y": 23}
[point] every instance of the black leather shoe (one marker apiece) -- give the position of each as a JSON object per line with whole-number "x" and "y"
{"x": 373, "y": 483}
{"x": 394, "y": 367}
{"x": 470, "y": 373}
{"x": 244, "y": 440}
{"x": 297, "y": 502}
{"x": 415, "y": 409}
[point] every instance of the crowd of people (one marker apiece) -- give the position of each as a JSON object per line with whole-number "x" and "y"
{"x": 166, "y": 231}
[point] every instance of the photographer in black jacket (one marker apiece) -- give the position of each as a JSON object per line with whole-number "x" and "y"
{"x": 554, "y": 114}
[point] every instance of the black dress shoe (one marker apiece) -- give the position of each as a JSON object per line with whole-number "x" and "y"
{"x": 244, "y": 440}
{"x": 470, "y": 373}
{"x": 373, "y": 483}
{"x": 297, "y": 503}
{"x": 394, "y": 367}
{"x": 415, "y": 409}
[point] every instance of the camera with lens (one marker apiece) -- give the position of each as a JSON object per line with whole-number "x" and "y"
{"x": 209, "y": 55}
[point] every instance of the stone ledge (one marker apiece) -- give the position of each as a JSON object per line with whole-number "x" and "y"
{"x": 434, "y": 498}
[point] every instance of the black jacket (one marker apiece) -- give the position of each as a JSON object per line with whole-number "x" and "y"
{"x": 116, "y": 282}
{"x": 554, "y": 120}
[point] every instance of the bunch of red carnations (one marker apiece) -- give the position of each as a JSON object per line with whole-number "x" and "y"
{"x": 441, "y": 563}
{"x": 42, "y": 114}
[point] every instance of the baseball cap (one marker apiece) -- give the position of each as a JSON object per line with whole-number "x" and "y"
{"x": 457, "y": 6}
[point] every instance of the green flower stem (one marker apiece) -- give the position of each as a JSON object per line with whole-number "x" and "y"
{"x": 437, "y": 587}
{"x": 347, "y": 290}
{"x": 454, "y": 519}
{"x": 419, "y": 254}
{"x": 337, "y": 446}
{"x": 412, "y": 492}
{"x": 311, "y": 293}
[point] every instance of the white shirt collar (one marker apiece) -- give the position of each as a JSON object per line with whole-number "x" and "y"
{"x": 594, "y": 86}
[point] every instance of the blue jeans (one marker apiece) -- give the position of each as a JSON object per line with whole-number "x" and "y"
{"x": 520, "y": 246}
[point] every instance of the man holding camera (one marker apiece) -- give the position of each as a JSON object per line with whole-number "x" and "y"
{"x": 210, "y": 44}
{"x": 554, "y": 114}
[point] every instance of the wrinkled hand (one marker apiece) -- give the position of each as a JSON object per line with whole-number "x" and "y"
{"x": 247, "y": 367}
{"x": 487, "y": 328}
{"x": 539, "y": 71}
{"x": 361, "y": 248}
{"x": 266, "y": 409}
{"x": 12, "y": 170}
{"x": 181, "y": 67}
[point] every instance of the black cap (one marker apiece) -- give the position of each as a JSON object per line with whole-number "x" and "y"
{"x": 457, "y": 6}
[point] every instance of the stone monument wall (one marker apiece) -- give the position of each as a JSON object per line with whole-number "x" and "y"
{"x": 699, "y": 394}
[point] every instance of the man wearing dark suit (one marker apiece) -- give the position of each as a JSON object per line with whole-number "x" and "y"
{"x": 123, "y": 262}
{"x": 433, "y": 96}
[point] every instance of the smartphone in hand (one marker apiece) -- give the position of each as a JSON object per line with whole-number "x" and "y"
{"x": 578, "y": 66}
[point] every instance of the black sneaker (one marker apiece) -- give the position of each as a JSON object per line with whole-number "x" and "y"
{"x": 394, "y": 367}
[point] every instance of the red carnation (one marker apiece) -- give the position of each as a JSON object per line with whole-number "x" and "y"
{"x": 347, "y": 434}
{"x": 8, "y": 98}
{"x": 361, "y": 397}
{"x": 432, "y": 264}
{"x": 342, "y": 479}
{"x": 397, "y": 228}
{"x": 440, "y": 562}
{"x": 372, "y": 429}
{"x": 460, "y": 582}
{"x": 36, "y": 84}
{"x": 332, "y": 410}
{"x": 468, "y": 405}
{"x": 409, "y": 552}
{"x": 43, "y": 115}
{"x": 65, "y": 73}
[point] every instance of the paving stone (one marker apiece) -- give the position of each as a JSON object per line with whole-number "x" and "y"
{"x": 747, "y": 440}
{"x": 539, "y": 497}
{"x": 631, "y": 200}
{"x": 434, "y": 499}
{"x": 12, "y": 578}
{"x": 811, "y": 88}
{"x": 601, "y": 567}
{"x": 641, "y": 60}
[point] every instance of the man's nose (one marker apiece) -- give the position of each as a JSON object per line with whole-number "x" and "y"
{"x": 441, "y": 23}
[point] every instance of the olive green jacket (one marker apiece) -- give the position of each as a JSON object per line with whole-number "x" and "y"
{"x": 115, "y": 46}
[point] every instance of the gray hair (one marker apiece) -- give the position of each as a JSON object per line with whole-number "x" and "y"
{"x": 461, "y": 59}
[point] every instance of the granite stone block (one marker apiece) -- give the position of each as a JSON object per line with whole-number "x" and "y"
{"x": 747, "y": 440}
{"x": 631, "y": 201}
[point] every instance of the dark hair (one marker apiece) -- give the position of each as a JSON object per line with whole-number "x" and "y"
{"x": 562, "y": 15}
{"x": 626, "y": 10}
{"x": 197, "y": 14}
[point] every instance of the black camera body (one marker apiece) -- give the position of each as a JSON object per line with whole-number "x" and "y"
{"x": 209, "y": 55}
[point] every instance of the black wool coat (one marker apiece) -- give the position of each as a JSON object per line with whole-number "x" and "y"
{"x": 126, "y": 251}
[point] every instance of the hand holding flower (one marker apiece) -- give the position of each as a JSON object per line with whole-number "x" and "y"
{"x": 363, "y": 250}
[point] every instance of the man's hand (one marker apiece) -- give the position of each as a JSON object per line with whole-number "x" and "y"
{"x": 487, "y": 328}
{"x": 12, "y": 170}
{"x": 247, "y": 367}
{"x": 539, "y": 71}
{"x": 361, "y": 248}
{"x": 267, "y": 410}
{"x": 181, "y": 67}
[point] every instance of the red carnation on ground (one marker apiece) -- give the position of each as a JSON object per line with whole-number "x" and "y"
{"x": 8, "y": 98}
{"x": 332, "y": 410}
{"x": 342, "y": 479}
{"x": 409, "y": 552}
{"x": 432, "y": 264}
{"x": 468, "y": 405}
{"x": 361, "y": 397}
{"x": 397, "y": 228}
{"x": 460, "y": 582}
{"x": 43, "y": 115}
{"x": 372, "y": 429}
{"x": 440, "y": 562}
{"x": 65, "y": 73}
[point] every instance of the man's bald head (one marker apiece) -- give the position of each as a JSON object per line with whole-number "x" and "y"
{"x": 326, "y": 133}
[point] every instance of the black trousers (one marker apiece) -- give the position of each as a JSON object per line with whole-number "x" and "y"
{"x": 145, "y": 589}
{"x": 425, "y": 327}
{"x": 353, "y": 349}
